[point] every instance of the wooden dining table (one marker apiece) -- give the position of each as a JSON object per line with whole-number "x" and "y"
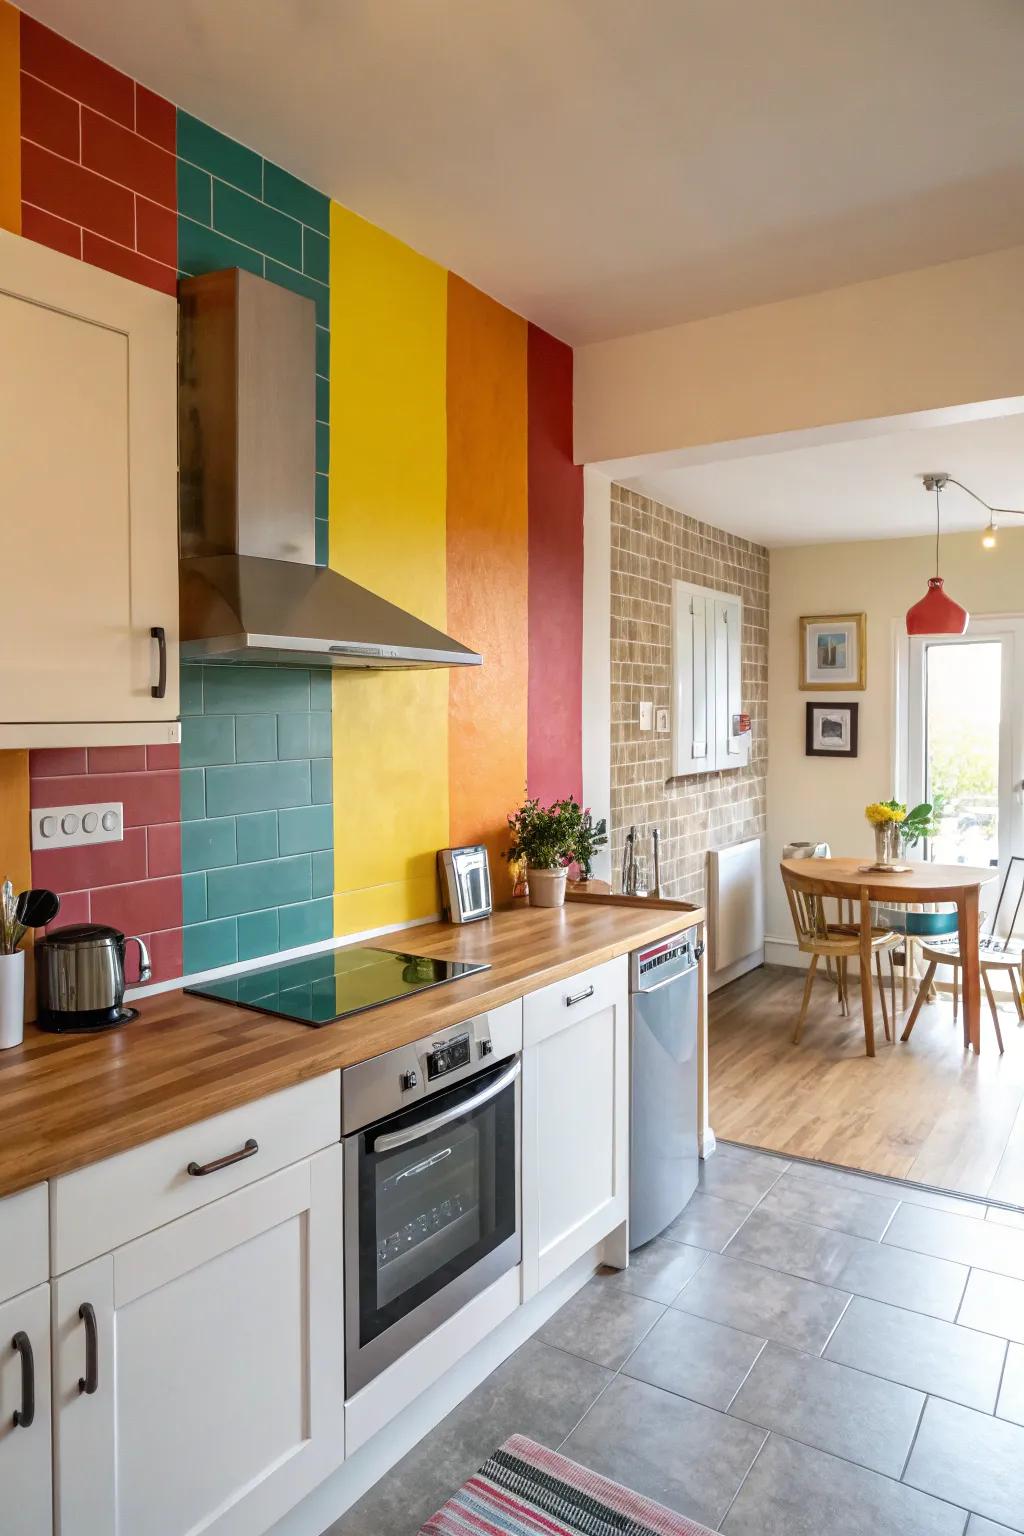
{"x": 852, "y": 880}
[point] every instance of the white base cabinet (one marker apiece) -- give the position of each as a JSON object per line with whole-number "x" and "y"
{"x": 575, "y": 1119}
{"x": 205, "y": 1391}
{"x": 25, "y": 1477}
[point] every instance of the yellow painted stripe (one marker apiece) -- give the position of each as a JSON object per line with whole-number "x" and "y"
{"x": 387, "y": 531}
{"x": 10, "y": 118}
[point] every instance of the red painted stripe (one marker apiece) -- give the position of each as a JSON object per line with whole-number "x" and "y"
{"x": 125, "y": 263}
{"x": 47, "y": 229}
{"x": 48, "y": 117}
{"x": 554, "y": 755}
{"x": 155, "y": 118}
{"x": 76, "y": 194}
{"x": 156, "y": 232}
{"x": 128, "y": 158}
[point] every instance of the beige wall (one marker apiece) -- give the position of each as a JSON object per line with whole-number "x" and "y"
{"x": 652, "y": 545}
{"x": 823, "y": 799}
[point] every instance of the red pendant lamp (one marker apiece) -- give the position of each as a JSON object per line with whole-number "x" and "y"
{"x": 937, "y": 613}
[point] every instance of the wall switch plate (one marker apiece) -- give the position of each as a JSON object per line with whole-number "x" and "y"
{"x": 646, "y": 715}
{"x": 661, "y": 719}
{"x": 77, "y": 826}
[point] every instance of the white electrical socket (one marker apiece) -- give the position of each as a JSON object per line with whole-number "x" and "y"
{"x": 75, "y": 826}
{"x": 646, "y": 715}
{"x": 661, "y": 719}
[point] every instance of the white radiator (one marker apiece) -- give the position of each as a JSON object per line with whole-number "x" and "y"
{"x": 735, "y": 910}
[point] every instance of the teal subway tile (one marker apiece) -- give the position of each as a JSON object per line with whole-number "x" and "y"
{"x": 298, "y": 282}
{"x": 323, "y": 447}
{"x": 204, "y": 250}
{"x": 320, "y": 734}
{"x": 195, "y": 193}
{"x": 255, "y": 738}
{"x": 215, "y": 152}
{"x": 256, "y": 836}
{"x": 306, "y": 828}
{"x": 321, "y": 540}
{"x": 305, "y": 923}
{"x": 191, "y": 690}
{"x": 257, "y": 934}
{"x": 321, "y": 771}
{"x": 320, "y": 687}
{"x": 293, "y": 736}
{"x": 316, "y": 256}
{"x": 193, "y": 794}
{"x": 210, "y": 944}
{"x": 323, "y": 874}
{"x": 246, "y": 219}
{"x": 232, "y": 690}
{"x": 254, "y": 887}
{"x": 193, "y": 898}
{"x": 207, "y": 739}
{"x": 208, "y": 844}
{"x": 303, "y": 202}
{"x": 323, "y": 352}
{"x": 256, "y": 787}
{"x": 323, "y": 399}
{"x": 321, "y": 499}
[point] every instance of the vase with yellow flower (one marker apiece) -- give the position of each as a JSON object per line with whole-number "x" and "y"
{"x": 897, "y": 829}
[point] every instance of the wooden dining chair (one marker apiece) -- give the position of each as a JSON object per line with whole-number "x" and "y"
{"x": 1004, "y": 957}
{"x": 836, "y": 942}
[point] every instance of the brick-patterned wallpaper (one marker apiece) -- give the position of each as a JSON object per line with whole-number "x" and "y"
{"x": 653, "y": 545}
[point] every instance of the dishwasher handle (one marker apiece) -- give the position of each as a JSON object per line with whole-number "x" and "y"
{"x": 666, "y": 981}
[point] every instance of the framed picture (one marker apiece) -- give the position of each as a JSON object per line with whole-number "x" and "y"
{"x": 832, "y": 730}
{"x": 833, "y": 651}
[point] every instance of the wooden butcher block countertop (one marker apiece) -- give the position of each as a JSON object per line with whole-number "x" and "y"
{"x": 69, "y": 1100}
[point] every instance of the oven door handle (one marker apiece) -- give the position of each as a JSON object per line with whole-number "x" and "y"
{"x": 392, "y": 1140}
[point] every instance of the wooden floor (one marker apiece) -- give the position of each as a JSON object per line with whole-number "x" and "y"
{"x": 926, "y": 1110}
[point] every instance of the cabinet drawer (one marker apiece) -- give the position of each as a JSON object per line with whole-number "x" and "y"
{"x": 102, "y": 1206}
{"x": 24, "y": 1241}
{"x": 566, "y": 1002}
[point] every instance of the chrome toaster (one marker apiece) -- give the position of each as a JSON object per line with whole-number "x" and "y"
{"x": 465, "y": 877}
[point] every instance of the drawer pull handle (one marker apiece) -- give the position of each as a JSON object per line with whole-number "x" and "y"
{"x": 200, "y": 1170}
{"x": 91, "y": 1380}
{"x": 159, "y": 688}
{"x": 579, "y": 997}
{"x": 24, "y": 1415}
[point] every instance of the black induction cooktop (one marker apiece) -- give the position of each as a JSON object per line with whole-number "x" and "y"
{"x": 319, "y": 989}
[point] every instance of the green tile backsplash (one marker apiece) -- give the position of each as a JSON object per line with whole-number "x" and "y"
{"x": 257, "y": 823}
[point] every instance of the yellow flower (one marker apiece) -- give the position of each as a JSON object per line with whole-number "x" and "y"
{"x": 878, "y": 813}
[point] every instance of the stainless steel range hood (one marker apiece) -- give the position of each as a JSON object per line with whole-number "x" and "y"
{"x": 250, "y": 590}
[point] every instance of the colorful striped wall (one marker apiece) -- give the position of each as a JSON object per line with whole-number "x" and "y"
{"x": 307, "y": 804}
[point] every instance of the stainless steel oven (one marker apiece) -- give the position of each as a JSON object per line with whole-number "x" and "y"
{"x": 431, "y": 1155}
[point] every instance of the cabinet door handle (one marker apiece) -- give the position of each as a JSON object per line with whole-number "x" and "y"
{"x": 91, "y": 1380}
{"x": 159, "y": 688}
{"x": 200, "y": 1170}
{"x": 24, "y": 1415}
{"x": 579, "y": 997}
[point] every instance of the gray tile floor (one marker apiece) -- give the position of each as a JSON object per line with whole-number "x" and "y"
{"x": 804, "y": 1353}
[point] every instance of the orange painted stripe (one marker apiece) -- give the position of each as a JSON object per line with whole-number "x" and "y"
{"x": 487, "y": 563}
{"x": 10, "y": 118}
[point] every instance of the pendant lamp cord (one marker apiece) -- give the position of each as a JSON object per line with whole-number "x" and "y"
{"x": 938, "y": 520}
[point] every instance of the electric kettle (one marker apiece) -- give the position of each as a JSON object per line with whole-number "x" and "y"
{"x": 80, "y": 978}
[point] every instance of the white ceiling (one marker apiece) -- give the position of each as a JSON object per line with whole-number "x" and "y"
{"x": 605, "y": 167}
{"x": 865, "y": 488}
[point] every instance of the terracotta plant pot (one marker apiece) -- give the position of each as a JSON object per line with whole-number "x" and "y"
{"x": 547, "y": 887}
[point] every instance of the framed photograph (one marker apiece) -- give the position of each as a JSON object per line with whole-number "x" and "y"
{"x": 833, "y": 651}
{"x": 831, "y": 730}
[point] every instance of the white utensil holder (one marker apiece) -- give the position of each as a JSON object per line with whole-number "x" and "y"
{"x": 12, "y": 999}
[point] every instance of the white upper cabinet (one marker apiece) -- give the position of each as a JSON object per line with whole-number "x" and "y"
{"x": 88, "y": 483}
{"x": 707, "y": 652}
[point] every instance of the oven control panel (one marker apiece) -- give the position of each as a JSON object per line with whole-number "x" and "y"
{"x": 448, "y": 1056}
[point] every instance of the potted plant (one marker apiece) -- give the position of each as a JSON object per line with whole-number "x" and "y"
{"x": 897, "y": 829}
{"x": 588, "y": 835}
{"x": 545, "y": 837}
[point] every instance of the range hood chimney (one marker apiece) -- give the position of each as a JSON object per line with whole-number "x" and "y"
{"x": 250, "y": 590}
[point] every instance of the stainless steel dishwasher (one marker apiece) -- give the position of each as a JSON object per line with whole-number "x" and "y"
{"x": 663, "y": 1102}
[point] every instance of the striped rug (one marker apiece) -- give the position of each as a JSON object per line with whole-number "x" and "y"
{"x": 526, "y": 1490}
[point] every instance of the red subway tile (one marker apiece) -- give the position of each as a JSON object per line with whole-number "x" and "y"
{"x": 164, "y": 843}
{"x": 146, "y": 797}
{"x": 48, "y": 117}
{"x": 163, "y": 757}
{"x": 165, "y": 953}
{"x": 52, "y": 58}
{"x": 117, "y": 759}
{"x": 144, "y": 907}
{"x": 51, "y": 762}
{"x": 127, "y": 158}
{"x": 72, "y": 869}
{"x": 156, "y": 231}
{"x": 47, "y": 229}
{"x": 155, "y": 118}
{"x": 126, "y": 263}
{"x": 76, "y": 194}
{"x": 74, "y": 908}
